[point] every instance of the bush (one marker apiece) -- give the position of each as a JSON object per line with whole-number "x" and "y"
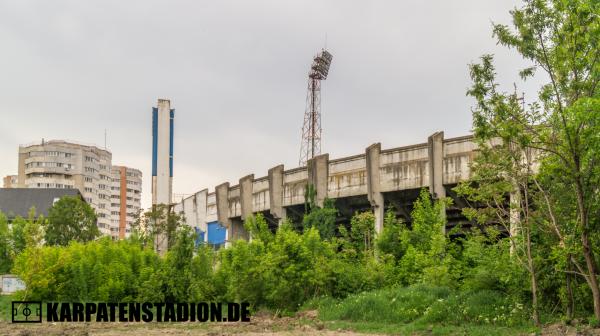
{"x": 102, "y": 270}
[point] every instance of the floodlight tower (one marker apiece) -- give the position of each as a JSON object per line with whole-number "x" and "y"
{"x": 311, "y": 128}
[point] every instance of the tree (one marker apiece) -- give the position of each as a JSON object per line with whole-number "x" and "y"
{"x": 360, "y": 239}
{"x": 502, "y": 172}
{"x": 158, "y": 224}
{"x": 70, "y": 218}
{"x": 560, "y": 127}
{"x": 323, "y": 219}
{"x": 6, "y": 259}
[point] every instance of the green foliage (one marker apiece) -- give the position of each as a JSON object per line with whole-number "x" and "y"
{"x": 559, "y": 128}
{"x": 421, "y": 253}
{"x": 487, "y": 265}
{"x": 17, "y": 233}
{"x": 70, "y": 218}
{"x": 258, "y": 228}
{"x": 5, "y": 245}
{"x": 278, "y": 271}
{"x": 157, "y": 226}
{"x": 359, "y": 241}
{"x": 424, "y": 304}
{"x": 389, "y": 241}
{"x": 324, "y": 219}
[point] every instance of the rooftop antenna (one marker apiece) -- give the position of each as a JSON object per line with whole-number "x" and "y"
{"x": 311, "y": 128}
{"x": 105, "y": 139}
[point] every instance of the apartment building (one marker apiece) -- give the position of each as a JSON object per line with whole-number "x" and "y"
{"x": 10, "y": 181}
{"x": 62, "y": 164}
{"x": 126, "y": 188}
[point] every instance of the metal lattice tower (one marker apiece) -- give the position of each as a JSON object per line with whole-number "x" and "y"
{"x": 311, "y": 128}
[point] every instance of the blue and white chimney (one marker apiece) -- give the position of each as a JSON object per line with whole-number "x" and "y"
{"x": 162, "y": 152}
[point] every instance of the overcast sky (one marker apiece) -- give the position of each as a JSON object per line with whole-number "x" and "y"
{"x": 236, "y": 73}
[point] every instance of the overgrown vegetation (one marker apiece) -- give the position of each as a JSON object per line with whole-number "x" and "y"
{"x": 529, "y": 256}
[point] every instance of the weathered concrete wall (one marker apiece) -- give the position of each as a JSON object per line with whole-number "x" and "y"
{"x": 433, "y": 164}
{"x": 404, "y": 168}
{"x": 294, "y": 186}
{"x": 195, "y": 209}
{"x": 261, "y": 199}
{"x": 347, "y": 177}
{"x": 211, "y": 207}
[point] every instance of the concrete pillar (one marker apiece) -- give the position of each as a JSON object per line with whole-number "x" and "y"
{"x": 222, "y": 198}
{"x": 374, "y": 186}
{"x": 246, "y": 195}
{"x": 237, "y": 230}
{"x": 436, "y": 167}
{"x": 318, "y": 176}
{"x": 515, "y": 216}
{"x": 201, "y": 201}
{"x": 276, "y": 193}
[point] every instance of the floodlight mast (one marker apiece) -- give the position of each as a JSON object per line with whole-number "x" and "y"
{"x": 311, "y": 128}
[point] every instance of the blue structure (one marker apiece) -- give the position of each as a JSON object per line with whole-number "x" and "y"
{"x": 199, "y": 237}
{"x": 216, "y": 233}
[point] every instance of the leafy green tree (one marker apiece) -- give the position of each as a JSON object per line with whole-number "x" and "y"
{"x": 258, "y": 228}
{"x": 323, "y": 219}
{"x": 17, "y": 234}
{"x": 6, "y": 257}
{"x": 426, "y": 257}
{"x": 389, "y": 241}
{"x": 70, "y": 218}
{"x": 178, "y": 265}
{"x": 503, "y": 170}
{"x": 157, "y": 225}
{"x": 359, "y": 240}
{"x": 559, "y": 128}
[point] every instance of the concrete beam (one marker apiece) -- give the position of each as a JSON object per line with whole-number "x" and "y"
{"x": 374, "y": 194}
{"x": 246, "y": 195}
{"x": 222, "y": 196}
{"x": 318, "y": 176}
{"x": 276, "y": 193}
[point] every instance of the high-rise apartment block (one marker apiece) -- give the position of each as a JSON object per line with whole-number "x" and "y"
{"x": 61, "y": 164}
{"x": 126, "y": 190}
{"x": 10, "y": 181}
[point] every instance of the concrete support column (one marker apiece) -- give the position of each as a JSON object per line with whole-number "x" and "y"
{"x": 515, "y": 216}
{"x": 276, "y": 193}
{"x": 318, "y": 176}
{"x": 201, "y": 199}
{"x": 436, "y": 167}
{"x": 246, "y": 196}
{"x": 374, "y": 194}
{"x": 222, "y": 198}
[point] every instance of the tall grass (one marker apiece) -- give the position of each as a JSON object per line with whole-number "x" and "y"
{"x": 422, "y": 304}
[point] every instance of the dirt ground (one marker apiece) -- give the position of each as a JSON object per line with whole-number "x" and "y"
{"x": 261, "y": 324}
